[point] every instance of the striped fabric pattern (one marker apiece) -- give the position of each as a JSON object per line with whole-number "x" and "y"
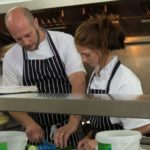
{"x": 50, "y": 77}
{"x": 103, "y": 123}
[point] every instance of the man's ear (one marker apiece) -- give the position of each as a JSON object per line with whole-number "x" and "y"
{"x": 36, "y": 24}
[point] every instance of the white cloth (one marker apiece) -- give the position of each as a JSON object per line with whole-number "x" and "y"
{"x": 64, "y": 43}
{"x": 124, "y": 82}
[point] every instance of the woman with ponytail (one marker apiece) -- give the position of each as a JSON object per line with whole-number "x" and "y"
{"x": 95, "y": 40}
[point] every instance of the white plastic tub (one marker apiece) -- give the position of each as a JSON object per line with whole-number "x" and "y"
{"x": 12, "y": 140}
{"x": 118, "y": 140}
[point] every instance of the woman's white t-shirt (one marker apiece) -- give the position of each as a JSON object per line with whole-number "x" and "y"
{"x": 124, "y": 82}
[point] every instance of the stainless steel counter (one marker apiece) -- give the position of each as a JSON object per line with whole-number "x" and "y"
{"x": 145, "y": 147}
{"x": 124, "y": 106}
{"x": 109, "y": 105}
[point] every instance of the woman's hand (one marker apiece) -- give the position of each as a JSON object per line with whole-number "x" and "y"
{"x": 87, "y": 144}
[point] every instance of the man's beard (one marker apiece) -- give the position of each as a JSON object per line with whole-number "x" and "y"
{"x": 37, "y": 43}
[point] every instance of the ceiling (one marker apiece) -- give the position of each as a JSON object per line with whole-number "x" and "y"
{"x": 11, "y": 1}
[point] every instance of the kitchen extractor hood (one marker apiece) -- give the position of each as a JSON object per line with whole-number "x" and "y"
{"x": 44, "y": 4}
{"x": 68, "y": 14}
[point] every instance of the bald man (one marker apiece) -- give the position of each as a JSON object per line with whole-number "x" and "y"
{"x": 49, "y": 60}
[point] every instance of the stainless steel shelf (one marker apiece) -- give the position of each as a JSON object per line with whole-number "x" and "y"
{"x": 117, "y": 106}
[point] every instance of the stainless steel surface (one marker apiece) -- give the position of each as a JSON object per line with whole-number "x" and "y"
{"x": 124, "y": 106}
{"x": 145, "y": 147}
{"x": 137, "y": 39}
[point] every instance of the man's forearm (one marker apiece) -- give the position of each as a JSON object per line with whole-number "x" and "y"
{"x": 22, "y": 117}
{"x": 78, "y": 83}
{"x": 74, "y": 120}
{"x": 78, "y": 87}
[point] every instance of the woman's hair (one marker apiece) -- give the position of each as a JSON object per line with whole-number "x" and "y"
{"x": 103, "y": 33}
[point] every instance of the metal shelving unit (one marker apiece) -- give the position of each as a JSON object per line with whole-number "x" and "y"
{"x": 109, "y": 105}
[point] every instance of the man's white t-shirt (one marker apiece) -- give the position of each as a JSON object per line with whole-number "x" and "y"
{"x": 64, "y": 43}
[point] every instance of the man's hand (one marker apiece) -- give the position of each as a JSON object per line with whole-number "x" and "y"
{"x": 63, "y": 133}
{"x": 34, "y": 132}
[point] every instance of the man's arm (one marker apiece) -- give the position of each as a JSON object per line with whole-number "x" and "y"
{"x": 32, "y": 129}
{"x": 78, "y": 84}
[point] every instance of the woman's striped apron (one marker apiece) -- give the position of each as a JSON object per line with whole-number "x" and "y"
{"x": 103, "y": 123}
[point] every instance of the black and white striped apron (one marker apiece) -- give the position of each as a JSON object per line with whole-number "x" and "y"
{"x": 103, "y": 123}
{"x": 50, "y": 77}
